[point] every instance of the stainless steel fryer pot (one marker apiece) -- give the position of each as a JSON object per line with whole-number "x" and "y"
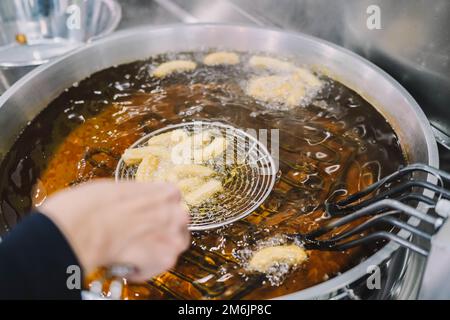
{"x": 400, "y": 270}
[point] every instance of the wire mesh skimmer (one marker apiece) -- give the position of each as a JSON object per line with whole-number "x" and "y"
{"x": 385, "y": 207}
{"x": 247, "y": 169}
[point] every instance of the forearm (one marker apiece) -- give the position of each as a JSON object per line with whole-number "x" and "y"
{"x": 37, "y": 262}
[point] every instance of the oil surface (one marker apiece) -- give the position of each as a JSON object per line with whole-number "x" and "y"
{"x": 336, "y": 143}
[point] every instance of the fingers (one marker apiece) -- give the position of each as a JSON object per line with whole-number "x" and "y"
{"x": 155, "y": 213}
{"x": 162, "y": 190}
{"x": 142, "y": 224}
{"x": 165, "y": 249}
{"x": 166, "y": 218}
{"x": 156, "y": 227}
{"x": 125, "y": 190}
{"x": 182, "y": 236}
{"x": 156, "y": 251}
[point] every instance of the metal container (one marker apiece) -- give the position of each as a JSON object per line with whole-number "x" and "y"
{"x": 33, "y": 32}
{"x": 412, "y": 43}
{"x": 400, "y": 272}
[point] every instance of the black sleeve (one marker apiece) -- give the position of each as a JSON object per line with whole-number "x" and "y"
{"x": 34, "y": 262}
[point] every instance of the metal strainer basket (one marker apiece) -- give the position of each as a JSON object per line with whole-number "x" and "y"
{"x": 246, "y": 169}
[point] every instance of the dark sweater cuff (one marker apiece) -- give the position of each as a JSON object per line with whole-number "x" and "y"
{"x": 37, "y": 262}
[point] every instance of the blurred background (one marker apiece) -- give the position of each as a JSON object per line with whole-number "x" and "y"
{"x": 411, "y": 40}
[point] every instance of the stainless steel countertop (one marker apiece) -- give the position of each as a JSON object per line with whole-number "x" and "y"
{"x": 154, "y": 12}
{"x": 335, "y": 21}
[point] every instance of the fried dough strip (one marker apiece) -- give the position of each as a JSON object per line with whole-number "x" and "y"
{"x": 170, "y": 67}
{"x": 281, "y": 89}
{"x": 266, "y": 258}
{"x": 271, "y": 64}
{"x": 183, "y": 152}
{"x": 210, "y": 151}
{"x": 203, "y": 192}
{"x": 194, "y": 150}
{"x": 307, "y": 77}
{"x": 147, "y": 168}
{"x": 221, "y": 58}
{"x": 188, "y": 184}
{"x": 168, "y": 138}
{"x": 135, "y": 155}
{"x": 192, "y": 170}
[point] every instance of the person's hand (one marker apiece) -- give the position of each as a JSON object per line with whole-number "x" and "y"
{"x": 107, "y": 223}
